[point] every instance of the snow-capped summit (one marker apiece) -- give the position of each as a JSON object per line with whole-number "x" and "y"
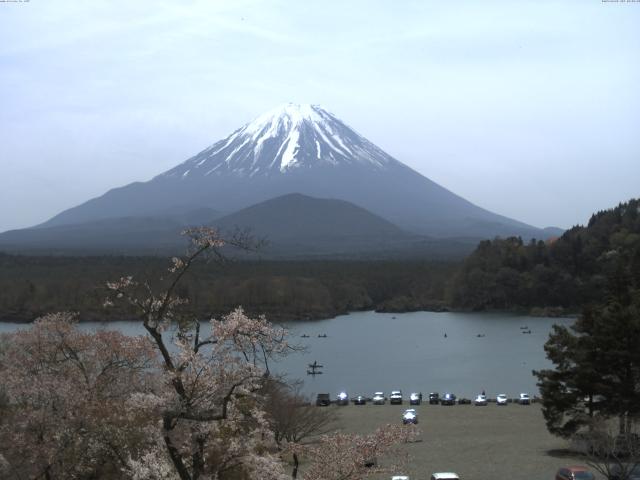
{"x": 289, "y": 137}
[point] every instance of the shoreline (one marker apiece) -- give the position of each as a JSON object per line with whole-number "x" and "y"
{"x": 536, "y": 312}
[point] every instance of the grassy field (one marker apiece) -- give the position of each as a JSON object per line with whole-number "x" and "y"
{"x": 478, "y": 443}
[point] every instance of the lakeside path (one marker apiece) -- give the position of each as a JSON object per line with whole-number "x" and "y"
{"x": 477, "y": 443}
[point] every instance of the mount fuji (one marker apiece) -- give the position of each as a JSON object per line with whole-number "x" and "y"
{"x": 300, "y": 149}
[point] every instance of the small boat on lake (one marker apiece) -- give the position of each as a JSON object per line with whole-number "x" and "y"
{"x": 304, "y": 335}
{"x": 313, "y": 372}
{"x": 323, "y": 335}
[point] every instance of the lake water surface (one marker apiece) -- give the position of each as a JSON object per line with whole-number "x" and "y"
{"x": 367, "y": 351}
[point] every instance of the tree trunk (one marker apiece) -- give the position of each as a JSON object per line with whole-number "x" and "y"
{"x": 198, "y": 457}
{"x": 622, "y": 424}
{"x": 629, "y": 423}
{"x": 174, "y": 454}
{"x": 296, "y": 463}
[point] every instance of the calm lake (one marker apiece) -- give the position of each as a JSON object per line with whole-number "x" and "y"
{"x": 367, "y": 351}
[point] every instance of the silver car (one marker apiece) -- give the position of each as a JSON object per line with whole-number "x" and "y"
{"x": 410, "y": 416}
{"x": 395, "y": 397}
{"x": 378, "y": 398}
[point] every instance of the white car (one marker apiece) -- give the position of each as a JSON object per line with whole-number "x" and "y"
{"x": 410, "y": 416}
{"x": 395, "y": 397}
{"x": 343, "y": 398}
{"x": 481, "y": 400}
{"x": 501, "y": 399}
{"x": 445, "y": 476}
{"x": 524, "y": 399}
{"x": 378, "y": 398}
{"x": 415, "y": 399}
{"x": 399, "y": 477}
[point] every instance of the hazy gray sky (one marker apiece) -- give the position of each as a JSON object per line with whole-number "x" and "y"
{"x": 530, "y": 108}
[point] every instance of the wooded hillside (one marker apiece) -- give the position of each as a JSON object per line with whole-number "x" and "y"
{"x": 564, "y": 274}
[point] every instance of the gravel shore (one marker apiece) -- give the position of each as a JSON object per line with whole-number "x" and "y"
{"x": 478, "y": 443}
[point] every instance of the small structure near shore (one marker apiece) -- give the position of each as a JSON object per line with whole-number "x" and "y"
{"x": 315, "y": 368}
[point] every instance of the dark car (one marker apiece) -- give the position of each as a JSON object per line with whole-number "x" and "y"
{"x": 448, "y": 399}
{"x": 342, "y": 398}
{"x": 576, "y": 472}
{"x": 434, "y": 398}
{"x": 360, "y": 400}
{"x": 323, "y": 400}
{"x": 415, "y": 399}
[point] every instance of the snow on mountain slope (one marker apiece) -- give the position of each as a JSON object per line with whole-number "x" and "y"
{"x": 287, "y": 138}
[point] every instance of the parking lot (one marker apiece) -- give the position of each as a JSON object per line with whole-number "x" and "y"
{"x": 480, "y": 443}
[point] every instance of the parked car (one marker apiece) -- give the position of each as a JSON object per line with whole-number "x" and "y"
{"x": 342, "y": 398}
{"x": 396, "y": 397}
{"x": 360, "y": 400}
{"x": 434, "y": 398}
{"x": 445, "y": 476}
{"x": 448, "y": 399}
{"x": 399, "y": 477}
{"x": 410, "y": 416}
{"x": 501, "y": 399}
{"x": 415, "y": 399}
{"x": 632, "y": 472}
{"x": 378, "y": 398}
{"x": 481, "y": 400}
{"x": 576, "y": 472}
{"x": 323, "y": 400}
{"x": 524, "y": 399}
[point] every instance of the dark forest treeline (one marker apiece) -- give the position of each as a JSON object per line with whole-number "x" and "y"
{"x": 502, "y": 274}
{"x": 31, "y": 286}
{"x": 562, "y": 275}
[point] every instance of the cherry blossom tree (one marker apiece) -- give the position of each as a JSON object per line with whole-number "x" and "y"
{"x": 212, "y": 424}
{"x": 344, "y": 456}
{"x": 64, "y": 388}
